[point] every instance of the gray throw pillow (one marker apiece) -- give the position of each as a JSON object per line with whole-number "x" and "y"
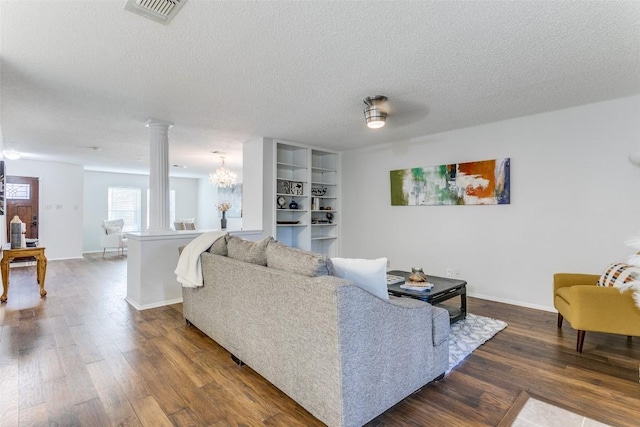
{"x": 248, "y": 251}
{"x": 298, "y": 261}
{"x": 219, "y": 247}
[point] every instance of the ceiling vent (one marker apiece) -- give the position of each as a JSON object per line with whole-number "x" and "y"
{"x": 161, "y": 11}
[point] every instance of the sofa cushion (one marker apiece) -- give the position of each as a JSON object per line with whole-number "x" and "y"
{"x": 369, "y": 274}
{"x": 219, "y": 247}
{"x": 298, "y": 261}
{"x": 618, "y": 275}
{"x": 248, "y": 251}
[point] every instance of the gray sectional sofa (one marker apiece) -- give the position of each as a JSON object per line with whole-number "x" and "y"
{"x": 342, "y": 353}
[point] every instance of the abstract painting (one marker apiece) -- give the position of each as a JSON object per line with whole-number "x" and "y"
{"x": 233, "y": 195}
{"x": 485, "y": 182}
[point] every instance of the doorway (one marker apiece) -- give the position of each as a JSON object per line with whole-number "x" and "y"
{"x": 21, "y": 193}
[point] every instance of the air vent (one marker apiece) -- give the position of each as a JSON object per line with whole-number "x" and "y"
{"x": 161, "y": 11}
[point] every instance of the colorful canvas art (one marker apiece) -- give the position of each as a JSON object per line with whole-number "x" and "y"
{"x": 475, "y": 183}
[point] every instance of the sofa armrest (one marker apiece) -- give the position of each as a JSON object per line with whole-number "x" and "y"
{"x": 388, "y": 342}
{"x": 561, "y": 280}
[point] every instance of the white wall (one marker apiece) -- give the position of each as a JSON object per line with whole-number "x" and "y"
{"x": 95, "y": 201}
{"x": 61, "y": 189}
{"x": 574, "y": 201}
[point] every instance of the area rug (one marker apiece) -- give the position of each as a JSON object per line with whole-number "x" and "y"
{"x": 468, "y": 334}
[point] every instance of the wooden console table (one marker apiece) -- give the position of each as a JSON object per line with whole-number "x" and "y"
{"x": 9, "y": 255}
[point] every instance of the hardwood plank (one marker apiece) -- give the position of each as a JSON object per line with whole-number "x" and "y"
{"x": 150, "y": 413}
{"x": 92, "y": 413}
{"x": 33, "y": 416}
{"x": 111, "y": 395}
{"x": 30, "y": 379}
{"x": 185, "y": 418}
{"x": 59, "y": 403}
{"x": 51, "y": 366}
{"x": 9, "y": 396}
{"x": 77, "y": 376}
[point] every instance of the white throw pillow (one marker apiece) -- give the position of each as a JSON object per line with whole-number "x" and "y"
{"x": 369, "y": 274}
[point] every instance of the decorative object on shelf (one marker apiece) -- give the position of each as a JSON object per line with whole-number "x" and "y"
{"x": 373, "y": 114}
{"x": 485, "y": 182}
{"x": 284, "y": 186}
{"x": 223, "y": 176}
{"x": 296, "y": 188}
{"x": 330, "y": 217}
{"x": 281, "y": 201}
{"x": 293, "y": 204}
{"x": 223, "y": 208}
{"x": 287, "y": 222}
{"x": 319, "y": 191}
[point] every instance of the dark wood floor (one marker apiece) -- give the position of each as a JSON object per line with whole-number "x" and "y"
{"x": 83, "y": 356}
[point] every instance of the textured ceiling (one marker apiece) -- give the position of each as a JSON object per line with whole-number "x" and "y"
{"x": 82, "y": 74}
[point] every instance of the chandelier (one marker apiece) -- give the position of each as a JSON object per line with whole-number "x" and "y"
{"x": 223, "y": 177}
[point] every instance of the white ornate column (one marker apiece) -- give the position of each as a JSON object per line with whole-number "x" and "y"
{"x": 159, "y": 215}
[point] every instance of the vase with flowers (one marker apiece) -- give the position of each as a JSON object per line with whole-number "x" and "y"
{"x": 223, "y": 208}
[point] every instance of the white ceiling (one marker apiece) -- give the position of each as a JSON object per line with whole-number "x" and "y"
{"x": 82, "y": 74}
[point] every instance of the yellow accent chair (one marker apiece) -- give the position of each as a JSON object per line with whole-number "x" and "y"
{"x": 593, "y": 308}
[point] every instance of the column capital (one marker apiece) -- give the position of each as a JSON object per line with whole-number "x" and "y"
{"x": 159, "y": 123}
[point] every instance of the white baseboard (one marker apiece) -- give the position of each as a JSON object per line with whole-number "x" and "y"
{"x": 154, "y": 305}
{"x": 512, "y": 302}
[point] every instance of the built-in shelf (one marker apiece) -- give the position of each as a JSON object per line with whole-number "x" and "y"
{"x": 315, "y": 169}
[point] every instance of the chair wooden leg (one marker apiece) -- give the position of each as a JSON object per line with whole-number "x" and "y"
{"x": 580, "y": 341}
{"x": 560, "y": 319}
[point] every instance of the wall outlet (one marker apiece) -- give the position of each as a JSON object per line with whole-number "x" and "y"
{"x": 388, "y": 263}
{"x": 456, "y": 273}
{"x": 449, "y": 271}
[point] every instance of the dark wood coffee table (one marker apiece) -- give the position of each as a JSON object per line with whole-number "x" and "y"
{"x": 444, "y": 288}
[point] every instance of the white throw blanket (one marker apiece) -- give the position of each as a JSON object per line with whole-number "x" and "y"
{"x": 189, "y": 270}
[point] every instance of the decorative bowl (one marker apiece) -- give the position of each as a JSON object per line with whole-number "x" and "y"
{"x": 319, "y": 191}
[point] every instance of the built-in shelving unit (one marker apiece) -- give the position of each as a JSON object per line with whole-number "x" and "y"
{"x": 308, "y": 177}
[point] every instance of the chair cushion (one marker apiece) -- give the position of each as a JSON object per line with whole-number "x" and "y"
{"x": 248, "y": 251}
{"x": 184, "y": 224}
{"x": 114, "y": 226}
{"x": 369, "y": 274}
{"x": 619, "y": 274}
{"x": 297, "y": 261}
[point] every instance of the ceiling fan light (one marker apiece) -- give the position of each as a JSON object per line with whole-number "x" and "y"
{"x": 373, "y": 114}
{"x": 377, "y": 121}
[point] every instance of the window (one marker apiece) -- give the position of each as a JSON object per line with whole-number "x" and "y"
{"x": 172, "y": 207}
{"x": 124, "y": 203}
{"x": 18, "y": 191}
